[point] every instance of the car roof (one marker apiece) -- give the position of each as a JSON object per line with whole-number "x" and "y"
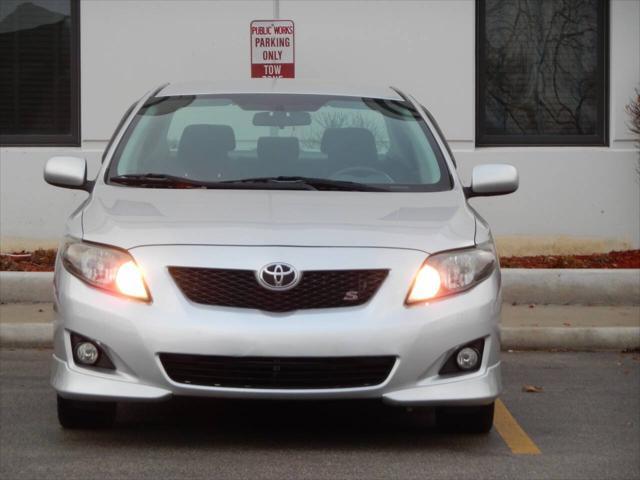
{"x": 273, "y": 85}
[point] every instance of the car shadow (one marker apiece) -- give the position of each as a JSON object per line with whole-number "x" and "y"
{"x": 263, "y": 424}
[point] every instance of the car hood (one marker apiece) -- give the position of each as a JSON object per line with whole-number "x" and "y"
{"x": 129, "y": 217}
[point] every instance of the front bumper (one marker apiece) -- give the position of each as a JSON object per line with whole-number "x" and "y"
{"x": 420, "y": 337}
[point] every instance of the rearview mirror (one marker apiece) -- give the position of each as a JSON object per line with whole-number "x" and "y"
{"x": 281, "y": 119}
{"x": 67, "y": 172}
{"x": 490, "y": 180}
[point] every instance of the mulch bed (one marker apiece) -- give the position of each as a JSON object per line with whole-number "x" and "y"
{"x": 625, "y": 259}
{"x": 37, "y": 261}
{"x": 43, "y": 261}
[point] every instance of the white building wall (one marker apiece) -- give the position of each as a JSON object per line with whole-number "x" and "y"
{"x": 572, "y": 199}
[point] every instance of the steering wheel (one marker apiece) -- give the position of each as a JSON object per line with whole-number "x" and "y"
{"x": 362, "y": 173}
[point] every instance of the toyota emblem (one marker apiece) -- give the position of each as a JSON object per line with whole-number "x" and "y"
{"x": 278, "y": 276}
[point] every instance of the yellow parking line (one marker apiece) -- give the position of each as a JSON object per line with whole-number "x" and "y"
{"x": 512, "y": 433}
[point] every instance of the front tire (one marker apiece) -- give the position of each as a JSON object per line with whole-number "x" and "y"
{"x": 476, "y": 419}
{"x": 78, "y": 414}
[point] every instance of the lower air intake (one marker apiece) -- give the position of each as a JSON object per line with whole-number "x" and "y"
{"x": 277, "y": 372}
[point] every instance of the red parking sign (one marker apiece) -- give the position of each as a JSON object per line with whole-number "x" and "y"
{"x": 272, "y": 49}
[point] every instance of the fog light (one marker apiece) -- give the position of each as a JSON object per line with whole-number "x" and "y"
{"x": 467, "y": 358}
{"x": 87, "y": 353}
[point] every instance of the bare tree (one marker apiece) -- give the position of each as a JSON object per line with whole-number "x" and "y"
{"x": 633, "y": 109}
{"x": 542, "y": 66}
{"x": 342, "y": 119}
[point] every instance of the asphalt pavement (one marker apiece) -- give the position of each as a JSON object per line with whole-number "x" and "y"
{"x": 585, "y": 423}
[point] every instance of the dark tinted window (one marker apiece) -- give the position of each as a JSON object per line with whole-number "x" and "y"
{"x": 541, "y": 72}
{"x": 39, "y": 77}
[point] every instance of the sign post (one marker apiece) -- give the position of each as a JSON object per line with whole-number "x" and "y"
{"x": 272, "y": 49}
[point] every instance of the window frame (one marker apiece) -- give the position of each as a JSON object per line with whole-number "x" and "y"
{"x": 72, "y": 139}
{"x": 121, "y": 123}
{"x": 599, "y": 139}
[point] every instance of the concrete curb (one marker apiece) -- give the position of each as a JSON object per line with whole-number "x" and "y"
{"x": 26, "y": 335}
{"x": 32, "y": 335}
{"x": 521, "y": 286}
{"x": 26, "y": 287}
{"x": 575, "y": 338}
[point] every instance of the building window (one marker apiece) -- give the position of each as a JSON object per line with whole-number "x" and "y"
{"x": 39, "y": 72}
{"x": 541, "y": 73}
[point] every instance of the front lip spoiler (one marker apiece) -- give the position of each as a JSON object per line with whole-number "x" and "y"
{"x": 479, "y": 390}
{"x": 70, "y": 383}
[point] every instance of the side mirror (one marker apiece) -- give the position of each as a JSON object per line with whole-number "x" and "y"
{"x": 490, "y": 180}
{"x": 67, "y": 172}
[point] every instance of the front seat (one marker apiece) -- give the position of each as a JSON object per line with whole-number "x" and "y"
{"x": 278, "y": 156}
{"x": 203, "y": 151}
{"x": 349, "y": 147}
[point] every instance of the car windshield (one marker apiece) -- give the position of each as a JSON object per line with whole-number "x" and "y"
{"x": 278, "y": 140}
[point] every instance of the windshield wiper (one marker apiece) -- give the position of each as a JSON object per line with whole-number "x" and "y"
{"x": 157, "y": 180}
{"x": 161, "y": 180}
{"x": 314, "y": 183}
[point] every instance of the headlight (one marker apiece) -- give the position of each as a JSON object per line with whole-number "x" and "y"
{"x": 452, "y": 272}
{"x": 107, "y": 268}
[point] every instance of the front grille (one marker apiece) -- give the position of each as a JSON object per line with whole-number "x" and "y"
{"x": 240, "y": 288}
{"x": 277, "y": 372}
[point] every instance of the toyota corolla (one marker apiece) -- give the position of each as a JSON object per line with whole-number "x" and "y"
{"x": 277, "y": 241}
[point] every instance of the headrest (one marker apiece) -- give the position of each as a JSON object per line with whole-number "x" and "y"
{"x": 350, "y": 141}
{"x": 215, "y": 138}
{"x": 278, "y": 147}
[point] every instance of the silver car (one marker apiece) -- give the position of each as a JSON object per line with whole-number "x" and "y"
{"x": 277, "y": 240}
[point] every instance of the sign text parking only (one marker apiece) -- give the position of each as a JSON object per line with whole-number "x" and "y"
{"x": 272, "y": 49}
